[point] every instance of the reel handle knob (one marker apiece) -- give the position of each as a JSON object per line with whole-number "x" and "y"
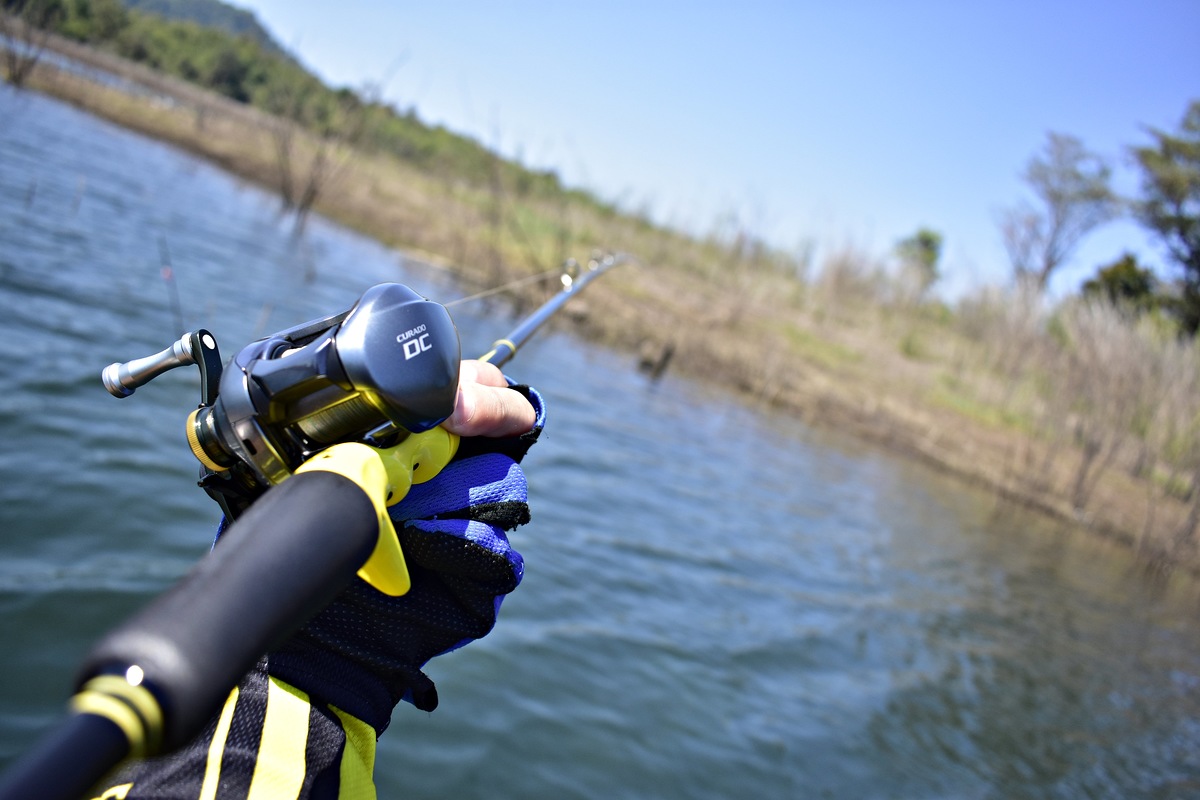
{"x": 122, "y": 379}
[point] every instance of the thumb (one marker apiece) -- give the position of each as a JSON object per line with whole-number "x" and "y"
{"x": 490, "y": 411}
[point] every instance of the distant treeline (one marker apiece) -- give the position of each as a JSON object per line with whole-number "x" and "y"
{"x": 1088, "y": 407}
{"x": 224, "y": 49}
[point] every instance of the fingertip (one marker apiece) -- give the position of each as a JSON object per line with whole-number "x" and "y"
{"x": 490, "y": 411}
{"x": 464, "y": 411}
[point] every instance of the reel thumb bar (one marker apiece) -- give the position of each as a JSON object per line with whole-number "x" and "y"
{"x": 504, "y": 349}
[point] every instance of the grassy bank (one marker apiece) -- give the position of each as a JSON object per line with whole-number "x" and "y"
{"x": 1076, "y": 411}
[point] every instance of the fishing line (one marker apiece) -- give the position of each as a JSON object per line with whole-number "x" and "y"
{"x": 541, "y": 276}
{"x": 167, "y": 270}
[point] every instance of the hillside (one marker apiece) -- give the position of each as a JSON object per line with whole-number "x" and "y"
{"x": 212, "y": 14}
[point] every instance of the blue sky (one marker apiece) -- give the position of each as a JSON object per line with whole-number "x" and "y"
{"x": 830, "y": 124}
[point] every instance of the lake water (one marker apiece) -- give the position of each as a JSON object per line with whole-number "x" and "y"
{"x": 717, "y": 604}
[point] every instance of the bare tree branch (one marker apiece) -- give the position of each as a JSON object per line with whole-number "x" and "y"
{"x": 1072, "y": 185}
{"x": 26, "y": 28}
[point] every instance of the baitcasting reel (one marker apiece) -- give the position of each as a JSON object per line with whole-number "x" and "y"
{"x": 383, "y": 369}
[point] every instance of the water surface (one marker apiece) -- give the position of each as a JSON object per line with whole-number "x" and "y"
{"x": 717, "y": 603}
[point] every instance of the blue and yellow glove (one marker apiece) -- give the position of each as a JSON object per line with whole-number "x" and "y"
{"x": 303, "y": 723}
{"x": 365, "y": 652}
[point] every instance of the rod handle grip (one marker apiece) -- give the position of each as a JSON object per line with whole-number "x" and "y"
{"x": 277, "y": 566}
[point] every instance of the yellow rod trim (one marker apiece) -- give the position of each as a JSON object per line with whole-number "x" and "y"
{"x": 136, "y": 695}
{"x": 115, "y": 711}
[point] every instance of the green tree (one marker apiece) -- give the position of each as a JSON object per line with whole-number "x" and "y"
{"x": 109, "y": 18}
{"x": 93, "y": 20}
{"x": 1170, "y": 206}
{"x": 229, "y": 75}
{"x": 1072, "y": 185}
{"x": 919, "y": 255}
{"x": 1125, "y": 284}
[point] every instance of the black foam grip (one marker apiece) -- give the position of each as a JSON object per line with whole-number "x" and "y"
{"x": 284, "y": 560}
{"x": 67, "y": 762}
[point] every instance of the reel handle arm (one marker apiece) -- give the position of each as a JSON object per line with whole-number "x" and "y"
{"x": 196, "y": 347}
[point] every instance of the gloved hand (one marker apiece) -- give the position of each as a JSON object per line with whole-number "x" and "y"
{"x": 365, "y": 652}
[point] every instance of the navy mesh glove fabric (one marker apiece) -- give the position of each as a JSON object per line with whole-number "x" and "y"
{"x": 365, "y": 652}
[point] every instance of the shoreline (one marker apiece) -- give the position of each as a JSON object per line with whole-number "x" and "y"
{"x": 403, "y": 208}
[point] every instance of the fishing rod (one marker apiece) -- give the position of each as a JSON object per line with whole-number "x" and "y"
{"x": 305, "y": 438}
{"x": 574, "y": 281}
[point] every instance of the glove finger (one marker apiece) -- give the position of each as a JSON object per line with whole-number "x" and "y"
{"x": 464, "y": 549}
{"x": 489, "y": 487}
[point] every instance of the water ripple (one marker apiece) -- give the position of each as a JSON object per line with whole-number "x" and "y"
{"x": 716, "y": 604}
